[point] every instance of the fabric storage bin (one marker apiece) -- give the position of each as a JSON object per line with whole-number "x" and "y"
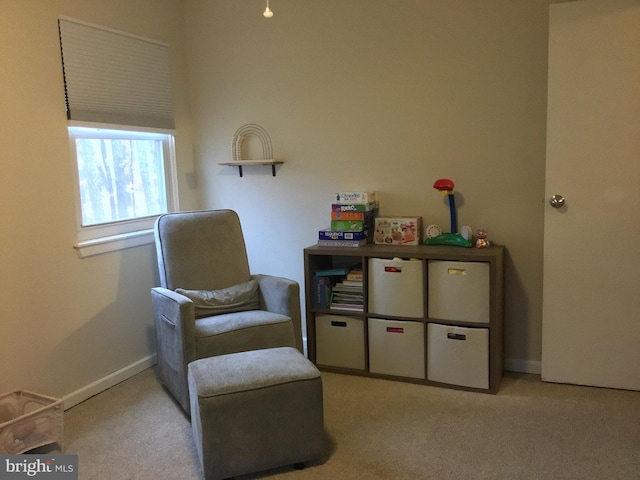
{"x": 396, "y": 348}
{"x": 459, "y": 291}
{"x": 396, "y": 287}
{"x": 340, "y": 341}
{"x": 458, "y": 355}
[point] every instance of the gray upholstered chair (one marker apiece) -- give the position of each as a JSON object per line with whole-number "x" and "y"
{"x": 209, "y": 303}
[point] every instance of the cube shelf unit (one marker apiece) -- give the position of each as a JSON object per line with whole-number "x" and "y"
{"x": 362, "y": 345}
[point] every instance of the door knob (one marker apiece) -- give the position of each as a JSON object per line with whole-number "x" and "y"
{"x": 556, "y": 201}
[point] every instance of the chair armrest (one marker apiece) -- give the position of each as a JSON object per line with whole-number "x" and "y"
{"x": 174, "y": 315}
{"x": 179, "y": 300}
{"x": 282, "y": 295}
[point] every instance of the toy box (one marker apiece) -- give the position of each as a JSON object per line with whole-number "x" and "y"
{"x": 353, "y": 207}
{"x": 349, "y": 225}
{"x": 349, "y": 215}
{"x": 398, "y": 230}
{"x": 328, "y": 234}
{"x": 29, "y": 420}
{"x": 353, "y": 225}
{"x": 354, "y": 197}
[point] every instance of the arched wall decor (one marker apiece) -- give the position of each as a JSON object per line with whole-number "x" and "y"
{"x": 248, "y": 130}
{"x": 241, "y": 134}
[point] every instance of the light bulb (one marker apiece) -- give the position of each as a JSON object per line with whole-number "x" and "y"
{"x": 267, "y": 13}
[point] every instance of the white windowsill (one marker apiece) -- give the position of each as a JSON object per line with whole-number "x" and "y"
{"x": 97, "y": 246}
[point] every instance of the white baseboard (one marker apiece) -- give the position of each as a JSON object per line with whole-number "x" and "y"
{"x": 109, "y": 381}
{"x": 522, "y": 366}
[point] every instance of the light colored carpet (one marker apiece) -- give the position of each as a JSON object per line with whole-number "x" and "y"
{"x": 379, "y": 429}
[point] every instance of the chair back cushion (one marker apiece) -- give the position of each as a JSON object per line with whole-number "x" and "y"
{"x": 237, "y": 298}
{"x": 201, "y": 250}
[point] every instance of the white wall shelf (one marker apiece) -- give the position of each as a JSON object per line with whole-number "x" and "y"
{"x": 252, "y": 129}
{"x": 248, "y": 163}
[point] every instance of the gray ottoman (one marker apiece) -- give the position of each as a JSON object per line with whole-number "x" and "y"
{"x": 255, "y": 410}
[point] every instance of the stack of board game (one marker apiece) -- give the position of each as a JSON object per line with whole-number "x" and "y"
{"x": 352, "y": 218}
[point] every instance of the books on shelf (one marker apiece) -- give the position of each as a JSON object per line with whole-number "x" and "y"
{"x": 346, "y": 287}
{"x": 323, "y": 282}
{"x": 321, "y": 291}
{"x": 355, "y": 276}
{"x": 332, "y": 272}
{"x": 341, "y": 306}
{"x": 348, "y": 295}
{"x": 339, "y": 288}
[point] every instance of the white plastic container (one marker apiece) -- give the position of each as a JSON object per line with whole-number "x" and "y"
{"x": 396, "y": 287}
{"x": 459, "y": 291}
{"x": 340, "y": 341}
{"x": 458, "y": 355}
{"x": 396, "y": 348}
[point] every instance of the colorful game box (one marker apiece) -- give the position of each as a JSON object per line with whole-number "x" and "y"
{"x": 398, "y": 230}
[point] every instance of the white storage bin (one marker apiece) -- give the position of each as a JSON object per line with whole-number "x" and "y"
{"x": 396, "y": 287}
{"x": 458, "y": 355}
{"x": 459, "y": 291}
{"x": 396, "y": 348}
{"x": 340, "y": 341}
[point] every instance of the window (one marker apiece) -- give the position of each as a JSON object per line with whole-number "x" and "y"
{"x": 124, "y": 180}
{"x": 118, "y": 101}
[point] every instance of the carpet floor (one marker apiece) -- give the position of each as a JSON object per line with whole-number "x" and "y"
{"x": 381, "y": 429}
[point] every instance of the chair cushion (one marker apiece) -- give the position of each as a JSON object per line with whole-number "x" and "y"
{"x": 231, "y": 322}
{"x": 242, "y": 331}
{"x": 237, "y": 298}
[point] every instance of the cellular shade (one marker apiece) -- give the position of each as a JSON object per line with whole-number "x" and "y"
{"x": 114, "y": 77}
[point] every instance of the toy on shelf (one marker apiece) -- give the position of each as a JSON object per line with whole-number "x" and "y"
{"x": 481, "y": 239}
{"x": 445, "y": 187}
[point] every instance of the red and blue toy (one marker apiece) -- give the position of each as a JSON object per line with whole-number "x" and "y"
{"x": 445, "y": 187}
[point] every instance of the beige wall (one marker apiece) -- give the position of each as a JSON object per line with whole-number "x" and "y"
{"x": 382, "y": 95}
{"x": 377, "y": 94}
{"x": 66, "y": 323}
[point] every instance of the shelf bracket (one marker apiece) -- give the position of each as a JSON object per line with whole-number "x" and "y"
{"x": 273, "y": 170}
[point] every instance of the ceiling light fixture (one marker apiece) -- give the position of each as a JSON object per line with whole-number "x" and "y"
{"x": 267, "y": 11}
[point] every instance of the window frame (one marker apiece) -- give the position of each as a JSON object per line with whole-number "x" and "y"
{"x": 121, "y": 234}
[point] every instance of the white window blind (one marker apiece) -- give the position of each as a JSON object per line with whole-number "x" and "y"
{"x": 115, "y": 78}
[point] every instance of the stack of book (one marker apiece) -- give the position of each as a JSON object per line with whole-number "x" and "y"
{"x": 352, "y": 220}
{"x": 348, "y": 294}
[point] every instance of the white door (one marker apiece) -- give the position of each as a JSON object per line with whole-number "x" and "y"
{"x": 591, "y": 307}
